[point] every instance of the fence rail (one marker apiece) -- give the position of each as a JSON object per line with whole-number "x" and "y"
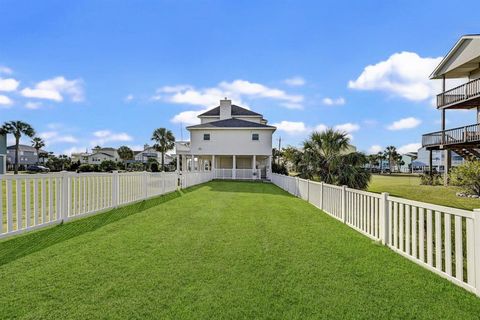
{"x": 28, "y": 202}
{"x": 442, "y": 239}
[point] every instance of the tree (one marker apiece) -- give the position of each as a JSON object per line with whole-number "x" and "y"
{"x": 164, "y": 141}
{"x": 108, "y": 165}
{"x": 38, "y": 144}
{"x": 372, "y": 161}
{"x": 381, "y": 158}
{"x": 125, "y": 154}
{"x": 326, "y": 157}
{"x": 391, "y": 155}
{"x": 17, "y": 129}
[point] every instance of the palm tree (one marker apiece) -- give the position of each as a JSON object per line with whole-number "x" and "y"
{"x": 380, "y": 157}
{"x": 391, "y": 155}
{"x": 164, "y": 141}
{"x": 326, "y": 157}
{"x": 125, "y": 154}
{"x": 17, "y": 129}
{"x": 38, "y": 144}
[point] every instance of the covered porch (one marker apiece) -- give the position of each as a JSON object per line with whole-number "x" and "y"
{"x": 246, "y": 167}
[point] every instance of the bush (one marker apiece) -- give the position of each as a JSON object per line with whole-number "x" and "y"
{"x": 154, "y": 167}
{"x": 136, "y": 167}
{"x": 279, "y": 168}
{"x": 428, "y": 179}
{"x": 108, "y": 166}
{"x": 85, "y": 168}
{"x": 467, "y": 177}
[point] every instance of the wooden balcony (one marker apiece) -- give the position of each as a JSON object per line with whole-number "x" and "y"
{"x": 462, "y": 97}
{"x": 461, "y": 136}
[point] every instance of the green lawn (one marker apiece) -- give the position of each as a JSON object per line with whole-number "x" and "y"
{"x": 222, "y": 250}
{"x": 409, "y": 187}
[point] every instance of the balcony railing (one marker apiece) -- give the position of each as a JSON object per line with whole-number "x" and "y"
{"x": 458, "y": 135}
{"x": 459, "y": 94}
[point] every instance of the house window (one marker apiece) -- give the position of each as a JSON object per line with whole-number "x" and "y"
{"x": 255, "y": 136}
{"x": 206, "y": 136}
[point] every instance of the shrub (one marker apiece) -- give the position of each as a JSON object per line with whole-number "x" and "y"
{"x": 137, "y": 167}
{"x": 467, "y": 176}
{"x": 428, "y": 179}
{"x": 279, "y": 168}
{"x": 108, "y": 166}
{"x": 85, "y": 168}
{"x": 154, "y": 167}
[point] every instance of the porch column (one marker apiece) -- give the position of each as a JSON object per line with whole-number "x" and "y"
{"x": 254, "y": 167}
{"x": 184, "y": 163}
{"x": 234, "y": 169}
{"x": 213, "y": 162}
{"x": 443, "y": 126}
{"x": 447, "y": 164}
{"x": 430, "y": 163}
{"x": 178, "y": 163}
{"x": 269, "y": 167}
{"x": 478, "y": 114}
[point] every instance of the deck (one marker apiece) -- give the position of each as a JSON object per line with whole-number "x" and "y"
{"x": 464, "y": 96}
{"x": 461, "y": 136}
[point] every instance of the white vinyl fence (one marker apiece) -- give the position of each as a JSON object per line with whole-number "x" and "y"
{"x": 33, "y": 201}
{"x": 442, "y": 239}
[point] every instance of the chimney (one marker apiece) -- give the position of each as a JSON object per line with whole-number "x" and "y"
{"x": 225, "y": 109}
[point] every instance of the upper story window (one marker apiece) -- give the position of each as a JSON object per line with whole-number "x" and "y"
{"x": 255, "y": 137}
{"x": 206, "y": 136}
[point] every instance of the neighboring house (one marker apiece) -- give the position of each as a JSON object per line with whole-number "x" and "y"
{"x": 3, "y": 154}
{"x": 234, "y": 142}
{"x": 149, "y": 152}
{"x": 27, "y": 155}
{"x": 462, "y": 64}
{"x": 97, "y": 155}
{"x": 438, "y": 159}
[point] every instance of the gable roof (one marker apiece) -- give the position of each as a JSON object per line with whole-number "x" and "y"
{"x": 461, "y": 59}
{"x": 24, "y": 147}
{"x": 236, "y": 111}
{"x": 231, "y": 123}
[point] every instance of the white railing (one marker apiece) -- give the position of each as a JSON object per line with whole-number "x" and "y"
{"x": 442, "y": 239}
{"x": 223, "y": 173}
{"x": 28, "y": 202}
{"x": 239, "y": 174}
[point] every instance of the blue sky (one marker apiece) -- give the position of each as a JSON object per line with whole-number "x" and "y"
{"x": 110, "y": 72}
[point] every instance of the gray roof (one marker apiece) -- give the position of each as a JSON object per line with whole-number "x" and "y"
{"x": 230, "y": 123}
{"x": 24, "y": 147}
{"x": 236, "y": 111}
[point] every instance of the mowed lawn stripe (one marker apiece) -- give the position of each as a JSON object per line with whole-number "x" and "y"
{"x": 226, "y": 250}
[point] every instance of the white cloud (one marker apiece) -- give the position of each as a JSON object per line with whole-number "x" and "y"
{"x": 411, "y": 147}
{"x": 103, "y": 136}
{"x": 52, "y": 137}
{"x": 375, "y": 149}
{"x": 71, "y": 150}
{"x": 403, "y": 74}
{"x": 129, "y": 98}
{"x": 291, "y": 127}
{"x": 347, "y": 127}
{"x": 55, "y": 89}
{"x": 9, "y": 84}
{"x": 243, "y": 87}
{"x": 295, "y": 81}
{"x": 5, "y": 70}
{"x": 5, "y": 101}
{"x": 188, "y": 117}
{"x": 33, "y": 105}
{"x": 405, "y": 123}
{"x": 333, "y": 102}
{"x": 320, "y": 127}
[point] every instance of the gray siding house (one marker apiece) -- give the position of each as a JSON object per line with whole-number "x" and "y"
{"x": 27, "y": 155}
{"x": 3, "y": 153}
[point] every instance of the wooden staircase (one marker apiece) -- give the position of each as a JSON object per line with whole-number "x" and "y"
{"x": 467, "y": 153}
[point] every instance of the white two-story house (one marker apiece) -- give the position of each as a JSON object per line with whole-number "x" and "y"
{"x": 233, "y": 142}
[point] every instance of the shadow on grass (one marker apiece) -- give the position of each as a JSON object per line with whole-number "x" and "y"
{"x": 23, "y": 245}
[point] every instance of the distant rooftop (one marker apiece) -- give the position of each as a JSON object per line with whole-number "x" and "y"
{"x": 230, "y": 123}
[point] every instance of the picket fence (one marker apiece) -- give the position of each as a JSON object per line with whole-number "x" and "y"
{"x": 28, "y": 202}
{"x": 442, "y": 239}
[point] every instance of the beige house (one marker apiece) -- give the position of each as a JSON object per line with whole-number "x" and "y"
{"x": 461, "y": 64}
{"x": 233, "y": 142}
{"x": 97, "y": 155}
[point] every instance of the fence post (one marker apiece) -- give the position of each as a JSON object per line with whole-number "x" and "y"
{"x": 144, "y": 180}
{"x": 66, "y": 196}
{"x": 476, "y": 249}
{"x": 308, "y": 190}
{"x": 321, "y": 195}
{"x": 297, "y": 183}
{"x": 115, "y": 189}
{"x": 384, "y": 222}
{"x": 344, "y": 204}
